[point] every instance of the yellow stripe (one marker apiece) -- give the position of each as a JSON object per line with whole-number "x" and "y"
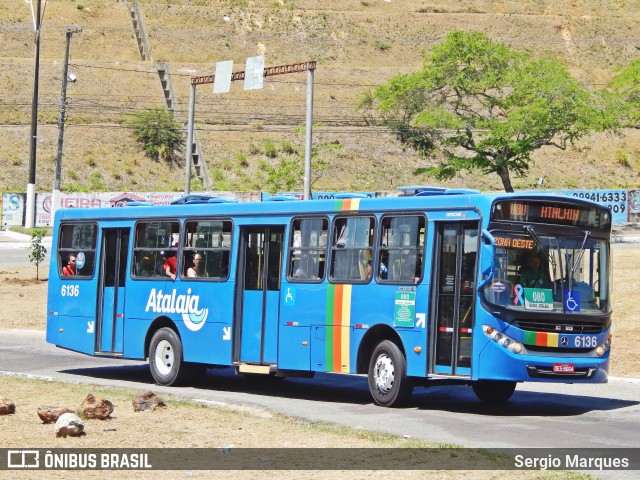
{"x": 552, "y": 339}
{"x": 345, "y": 328}
{"x": 355, "y": 204}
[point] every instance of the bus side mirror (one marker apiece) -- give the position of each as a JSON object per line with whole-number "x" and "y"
{"x": 487, "y": 254}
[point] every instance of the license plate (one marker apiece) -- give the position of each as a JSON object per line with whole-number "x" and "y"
{"x": 563, "y": 368}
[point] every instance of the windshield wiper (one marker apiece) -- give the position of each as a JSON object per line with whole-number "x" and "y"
{"x": 579, "y": 258}
{"x": 529, "y": 229}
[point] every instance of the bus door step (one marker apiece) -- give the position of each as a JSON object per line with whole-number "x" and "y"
{"x": 108, "y": 354}
{"x": 249, "y": 368}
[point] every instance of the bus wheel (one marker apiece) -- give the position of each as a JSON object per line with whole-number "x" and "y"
{"x": 493, "y": 391}
{"x": 388, "y": 381}
{"x": 165, "y": 358}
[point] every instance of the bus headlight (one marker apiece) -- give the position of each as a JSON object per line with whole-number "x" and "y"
{"x": 604, "y": 348}
{"x": 515, "y": 347}
{"x": 502, "y": 339}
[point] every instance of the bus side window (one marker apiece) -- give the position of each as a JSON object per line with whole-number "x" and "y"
{"x": 78, "y": 240}
{"x": 210, "y": 242}
{"x": 154, "y": 242}
{"x": 352, "y": 249}
{"x": 401, "y": 242}
{"x": 307, "y": 252}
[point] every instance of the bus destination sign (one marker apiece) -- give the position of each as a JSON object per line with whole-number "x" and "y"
{"x": 550, "y": 212}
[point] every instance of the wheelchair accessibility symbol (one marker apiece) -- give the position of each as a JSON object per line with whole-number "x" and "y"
{"x": 571, "y": 301}
{"x": 290, "y": 296}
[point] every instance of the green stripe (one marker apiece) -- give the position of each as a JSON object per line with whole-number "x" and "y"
{"x": 329, "y": 328}
{"x": 529, "y": 338}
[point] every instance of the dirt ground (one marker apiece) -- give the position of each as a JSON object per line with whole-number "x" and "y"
{"x": 187, "y": 425}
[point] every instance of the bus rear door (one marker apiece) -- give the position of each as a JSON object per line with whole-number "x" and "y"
{"x": 111, "y": 291}
{"x": 453, "y": 306}
{"x": 258, "y": 298}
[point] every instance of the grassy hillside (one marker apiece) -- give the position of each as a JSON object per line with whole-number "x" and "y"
{"x": 357, "y": 44}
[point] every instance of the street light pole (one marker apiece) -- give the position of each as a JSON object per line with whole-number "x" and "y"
{"x": 55, "y": 201}
{"x": 30, "y": 212}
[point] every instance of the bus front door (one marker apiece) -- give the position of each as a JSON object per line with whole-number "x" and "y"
{"x": 111, "y": 291}
{"x": 454, "y": 283}
{"x": 258, "y": 298}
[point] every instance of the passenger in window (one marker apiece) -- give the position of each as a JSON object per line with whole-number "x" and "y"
{"x": 170, "y": 264}
{"x": 69, "y": 269}
{"x": 194, "y": 269}
{"x": 147, "y": 268}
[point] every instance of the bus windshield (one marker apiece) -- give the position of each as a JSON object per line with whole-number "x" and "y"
{"x": 567, "y": 274}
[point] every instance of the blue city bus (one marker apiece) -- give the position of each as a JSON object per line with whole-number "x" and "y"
{"x": 421, "y": 289}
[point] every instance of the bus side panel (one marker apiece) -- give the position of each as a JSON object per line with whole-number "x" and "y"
{"x": 74, "y": 312}
{"x": 211, "y": 344}
{"x": 385, "y": 304}
{"x": 294, "y": 350}
{"x": 416, "y": 361}
{"x": 201, "y": 312}
{"x": 301, "y": 305}
{"x": 53, "y": 297}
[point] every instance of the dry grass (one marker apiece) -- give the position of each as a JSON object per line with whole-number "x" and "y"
{"x": 357, "y": 45}
{"x": 186, "y": 425}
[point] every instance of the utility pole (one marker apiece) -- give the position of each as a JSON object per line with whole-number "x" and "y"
{"x": 30, "y": 212}
{"x": 63, "y": 103}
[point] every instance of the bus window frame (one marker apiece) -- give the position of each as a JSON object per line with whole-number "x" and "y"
{"x": 68, "y": 251}
{"x": 418, "y": 250}
{"x": 160, "y": 277}
{"x": 290, "y": 274}
{"x": 334, "y": 248}
{"x": 194, "y": 250}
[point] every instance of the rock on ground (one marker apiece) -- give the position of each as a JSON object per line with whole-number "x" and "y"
{"x": 69, "y": 425}
{"x": 51, "y": 414}
{"x": 147, "y": 401}
{"x": 96, "y": 407}
{"x": 7, "y": 407}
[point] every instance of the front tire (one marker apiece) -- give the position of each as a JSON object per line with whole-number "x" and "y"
{"x": 388, "y": 381}
{"x": 493, "y": 391}
{"x": 165, "y": 358}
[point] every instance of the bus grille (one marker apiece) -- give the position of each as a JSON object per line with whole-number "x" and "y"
{"x": 566, "y": 326}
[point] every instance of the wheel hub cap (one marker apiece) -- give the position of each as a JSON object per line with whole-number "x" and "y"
{"x": 164, "y": 357}
{"x": 384, "y": 373}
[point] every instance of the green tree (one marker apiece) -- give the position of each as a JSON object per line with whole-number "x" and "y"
{"x": 485, "y": 106}
{"x": 626, "y": 100}
{"x": 37, "y": 251}
{"x": 158, "y": 132}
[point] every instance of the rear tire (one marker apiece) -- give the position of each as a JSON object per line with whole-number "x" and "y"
{"x": 165, "y": 358}
{"x": 494, "y": 391}
{"x": 388, "y": 381}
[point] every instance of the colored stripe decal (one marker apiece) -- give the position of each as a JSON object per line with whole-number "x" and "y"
{"x": 338, "y": 313}
{"x": 541, "y": 339}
